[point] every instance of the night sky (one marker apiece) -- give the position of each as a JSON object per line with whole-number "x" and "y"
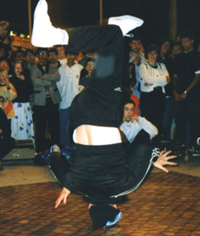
{"x": 155, "y": 14}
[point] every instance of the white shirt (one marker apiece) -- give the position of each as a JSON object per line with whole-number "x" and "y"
{"x": 63, "y": 61}
{"x": 68, "y": 84}
{"x": 131, "y": 129}
{"x": 150, "y": 75}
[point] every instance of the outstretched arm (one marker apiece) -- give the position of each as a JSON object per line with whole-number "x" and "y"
{"x": 163, "y": 160}
{"x": 62, "y": 197}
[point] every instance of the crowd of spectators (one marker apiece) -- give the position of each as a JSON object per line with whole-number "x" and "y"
{"x": 37, "y": 88}
{"x": 167, "y": 85}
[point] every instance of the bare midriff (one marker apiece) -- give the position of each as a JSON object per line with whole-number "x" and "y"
{"x": 96, "y": 135}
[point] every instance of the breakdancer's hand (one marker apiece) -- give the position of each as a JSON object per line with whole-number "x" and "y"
{"x": 163, "y": 160}
{"x": 62, "y": 197}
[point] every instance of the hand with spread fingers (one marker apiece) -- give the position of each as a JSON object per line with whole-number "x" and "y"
{"x": 62, "y": 197}
{"x": 163, "y": 160}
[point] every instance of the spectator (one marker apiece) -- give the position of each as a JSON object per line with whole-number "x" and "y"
{"x": 4, "y": 50}
{"x": 8, "y": 92}
{"x": 19, "y": 56}
{"x": 3, "y": 30}
{"x": 68, "y": 88}
{"x": 22, "y": 123}
{"x": 136, "y": 129}
{"x": 46, "y": 98}
{"x": 135, "y": 99}
{"x": 84, "y": 81}
{"x": 61, "y": 57}
{"x": 136, "y": 58}
{"x": 52, "y": 57}
{"x": 164, "y": 50}
{"x": 8, "y": 41}
{"x": 30, "y": 59}
{"x": 168, "y": 114}
{"x": 87, "y": 55}
{"x": 186, "y": 90}
{"x": 176, "y": 49}
{"x": 6, "y": 142}
{"x": 154, "y": 77}
{"x": 133, "y": 124}
{"x": 163, "y": 57}
{"x": 6, "y": 64}
{"x": 178, "y": 38}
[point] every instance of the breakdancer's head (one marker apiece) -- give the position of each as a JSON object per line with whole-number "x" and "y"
{"x": 46, "y": 35}
{"x": 104, "y": 215}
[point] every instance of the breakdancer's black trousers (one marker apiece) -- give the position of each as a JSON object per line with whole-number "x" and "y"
{"x": 102, "y": 173}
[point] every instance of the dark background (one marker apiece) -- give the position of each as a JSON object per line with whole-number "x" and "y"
{"x": 155, "y": 14}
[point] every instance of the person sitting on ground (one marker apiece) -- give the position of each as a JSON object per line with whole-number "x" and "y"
{"x": 136, "y": 128}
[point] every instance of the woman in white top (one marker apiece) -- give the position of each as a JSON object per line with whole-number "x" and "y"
{"x": 154, "y": 76}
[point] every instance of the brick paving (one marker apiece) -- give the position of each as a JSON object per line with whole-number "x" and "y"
{"x": 166, "y": 204}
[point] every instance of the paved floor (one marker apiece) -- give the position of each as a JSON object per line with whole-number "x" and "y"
{"x": 166, "y": 204}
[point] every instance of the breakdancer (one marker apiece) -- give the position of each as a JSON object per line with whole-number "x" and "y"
{"x": 100, "y": 168}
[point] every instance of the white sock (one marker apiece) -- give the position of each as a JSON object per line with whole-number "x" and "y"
{"x": 44, "y": 33}
{"x": 126, "y": 22}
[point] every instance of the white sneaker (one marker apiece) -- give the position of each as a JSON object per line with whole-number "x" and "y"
{"x": 126, "y": 23}
{"x": 198, "y": 141}
{"x": 44, "y": 33}
{"x": 54, "y": 148}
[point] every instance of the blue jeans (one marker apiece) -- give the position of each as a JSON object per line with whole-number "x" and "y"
{"x": 64, "y": 127}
